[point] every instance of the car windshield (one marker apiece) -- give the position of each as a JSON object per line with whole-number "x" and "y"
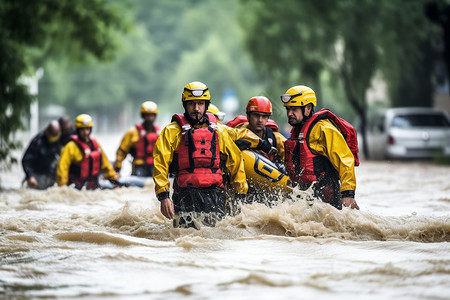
{"x": 420, "y": 120}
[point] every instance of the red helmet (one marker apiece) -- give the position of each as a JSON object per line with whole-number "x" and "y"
{"x": 259, "y": 104}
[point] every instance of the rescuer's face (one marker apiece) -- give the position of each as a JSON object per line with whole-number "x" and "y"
{"x": 84, "y": 133}
{"x": 196, "y": 109}
{"x": 149, "y": 118}
{"x": 295, "y": 114}
{"x": 257, "y": 121}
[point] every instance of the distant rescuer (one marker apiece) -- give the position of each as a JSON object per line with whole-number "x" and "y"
{"x": 191, "y": 147}
{"x": 41, "y": 157}
{"x": 82, "y": 159}
{"x": 139, "y": 141}
{"x": 317, "y": 150}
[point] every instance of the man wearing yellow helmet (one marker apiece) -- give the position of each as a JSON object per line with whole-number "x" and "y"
{"x": 139, "y": 141}
{"x": 41, "y": 157}
{"x": 191, "y": 148}
{"x": 317, "y": 152}
{"x": 82, "y": 158}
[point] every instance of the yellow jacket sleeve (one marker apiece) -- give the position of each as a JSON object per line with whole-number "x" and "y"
{"x": 242, "y": 133}
{"x": 129, "y": 140}
{"x": 325, "y": 139}
{"x": 234, "y": 162}
{"x": 280, "y": 144}
{"x": 107, "y": 168}
{"x": 246, "y": 134}
{"x": 69, "y": 154}
{"x": 169, "y": 141}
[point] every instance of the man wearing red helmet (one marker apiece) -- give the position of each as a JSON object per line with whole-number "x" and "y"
{"x": 259, "y": 110}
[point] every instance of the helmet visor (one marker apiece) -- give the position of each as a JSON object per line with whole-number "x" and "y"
{"x": 196, "y": 92}
{"x": 288, "y": 97}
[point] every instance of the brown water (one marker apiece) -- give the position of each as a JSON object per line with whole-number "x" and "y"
{"x": 115, "y": 244}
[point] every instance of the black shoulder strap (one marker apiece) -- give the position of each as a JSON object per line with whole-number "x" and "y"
{"x": 271, "y": 135}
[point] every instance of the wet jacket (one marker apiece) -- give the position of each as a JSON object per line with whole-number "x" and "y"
{"x": 169, "y": 142}
{"x": 41, "y": 157}
{"x": 316, "y": 150}
{"x": 73, "y": 162}
{"x": 271, "y": 135}
{"x": 197, "y": 159}
{"x": 243, "y": 134}
{"x": 139, "y": 143}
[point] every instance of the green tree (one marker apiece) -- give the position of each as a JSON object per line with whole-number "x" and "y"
{"x": 31, "y": 32}
{"x": 173, "y": 43}
{"x": 353, "y": 41}
{"x": 104, "y": 89}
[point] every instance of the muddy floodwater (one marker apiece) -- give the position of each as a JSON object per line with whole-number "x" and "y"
{"x": 115, "y": 244}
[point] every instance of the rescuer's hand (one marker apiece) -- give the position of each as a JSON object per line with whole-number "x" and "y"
{"x": 167, "y": 208}
{"x": 32, "y": 182}
{"x": 350, "y": 202}
{"x": 264, "y": 146}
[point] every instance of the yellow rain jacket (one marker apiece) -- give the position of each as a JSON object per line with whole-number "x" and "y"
{"x": 71, "y": 153}
{"x": 169, "y": 141}
{"x": 278, "y": 136}
{"x": 325, "y": 139}
{"x": 242, "y": 134}
{"x": 129, "y": 141}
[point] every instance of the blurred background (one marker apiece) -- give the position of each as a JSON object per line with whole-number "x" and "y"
{"x": 105, "y": 57}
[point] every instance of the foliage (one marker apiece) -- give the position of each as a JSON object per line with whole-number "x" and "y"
{"x": 173, "y": 43}
{"x": 31, "y": 32}
{"x": 352, "y": 41}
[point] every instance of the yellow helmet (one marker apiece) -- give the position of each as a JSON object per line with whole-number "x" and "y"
{"x": 149, "y": 107}
{"x": 83, "y": 121}
{"x": 215, "y": 111}
{"x": 195, "y": 90}
{"x": 299, "y": 95}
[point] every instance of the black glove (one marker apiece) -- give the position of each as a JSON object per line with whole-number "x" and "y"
{"x": 264, "y": 146}
{"x": 242, "y": 144}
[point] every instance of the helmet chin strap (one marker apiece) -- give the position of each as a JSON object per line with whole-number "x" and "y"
{"x": 305, "y": 117}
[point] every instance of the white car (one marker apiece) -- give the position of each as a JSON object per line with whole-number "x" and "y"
{"x": 413, "y": 132}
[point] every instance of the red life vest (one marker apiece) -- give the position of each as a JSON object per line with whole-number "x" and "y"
{"x": 86, "y": 171}
{"x": 146, "y": 144}
{"x": 304, "y": 166}
{"x": 198, "y": 156}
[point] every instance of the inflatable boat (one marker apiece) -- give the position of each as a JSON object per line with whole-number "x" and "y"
{"x": 263, "y": 175}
